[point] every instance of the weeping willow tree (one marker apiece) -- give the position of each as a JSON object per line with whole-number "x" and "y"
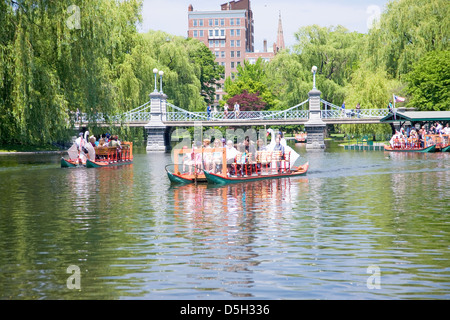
{"x": 400, "y": 56}
{"x": 407, "y": 30}
{"x": 57, "y": 58}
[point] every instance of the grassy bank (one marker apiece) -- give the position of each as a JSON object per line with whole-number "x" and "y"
{"x": 24, "y": 148}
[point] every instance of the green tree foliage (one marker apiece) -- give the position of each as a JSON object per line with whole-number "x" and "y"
{"x": 210, "y": 71}
{"x": 334, "y": 50}
{"x": 252, "y": 79}
{"x": 372, "y": 90}
{"x": 407, "y": 30}
{"x": 288, "y": 79}
{"x": 57, "y": 58}
{"x": 429, "y": 82}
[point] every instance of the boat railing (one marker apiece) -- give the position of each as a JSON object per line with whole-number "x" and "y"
{"x": 440, "y": 140}
{"x": 115, "y": 154}
{"x": 264, "y": 163}
{"x": 194, "y": 161}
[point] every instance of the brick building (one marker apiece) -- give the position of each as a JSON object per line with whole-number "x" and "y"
{"x": 229, "y": 34}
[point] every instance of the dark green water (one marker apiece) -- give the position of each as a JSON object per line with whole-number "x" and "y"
{"x": 133, "y": 236}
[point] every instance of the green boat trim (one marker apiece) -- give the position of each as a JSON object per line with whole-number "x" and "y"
{"x": 218, "y": 179}
{"x": 179, "y": 179}
{"x": 421, "y": 150}
{"x": 69, "y": 164}
{"x": 103, "y": 164}
{"x": 446, "y": 149}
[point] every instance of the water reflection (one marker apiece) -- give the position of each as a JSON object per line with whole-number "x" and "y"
{"x": 135, "y": 236}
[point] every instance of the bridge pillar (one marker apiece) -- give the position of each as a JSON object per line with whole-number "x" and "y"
{"x": 315, "y": 127}
{"x": 157, "y": 140}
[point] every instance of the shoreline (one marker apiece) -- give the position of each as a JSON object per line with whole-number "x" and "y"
{"x": 31, "y": 152}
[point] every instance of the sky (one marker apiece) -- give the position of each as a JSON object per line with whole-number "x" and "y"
{"x": 171, "y": 16}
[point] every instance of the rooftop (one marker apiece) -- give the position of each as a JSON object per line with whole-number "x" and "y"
{"x": 415, "y": 116}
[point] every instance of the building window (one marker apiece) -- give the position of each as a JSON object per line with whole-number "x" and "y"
{"x": 231, "y": 43}
{"x": 222, "y": 43}
{"x": 231, "y": 22}
{"x": 201, "y": 33}
{"x": 194, "y": 22}
{"x": 232, "y": 32}
{"x": 238, "y": 43}
{"x": 232, "y": 64}
{"x": 211, "y": 43}
{"x": 210, "y": 33}
{"x": 217, "y": 43}
{"x": 216, "y": 22}
{"x": 216, "y": 32}
{"x": 222, "y": 54}
{"x": 238, "y": 54}
{"x": 210, "y": 22}
{"x": 222, "y": 33}
{"x": 238, "y": 63}
{"x": 232, "y": 54}
{"x": 238, "y": 32}
{"x": 200, "y": 22}
{"x": 216, "y": 54}
{"x": 222, "y": 22}
{"x": 238, "y": 22}
{"x": 195, "y": 34}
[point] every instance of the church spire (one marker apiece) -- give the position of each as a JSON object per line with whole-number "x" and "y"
{"x": 280, "y": 37}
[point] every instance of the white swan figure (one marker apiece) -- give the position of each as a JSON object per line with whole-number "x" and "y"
{"x": 293, "y": 154}
{"x": 271, "y": 145}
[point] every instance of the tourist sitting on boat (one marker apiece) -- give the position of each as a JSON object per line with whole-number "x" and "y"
{"x": 231, "y": 153}
{"x": 217, "y": 156}
{"x": 278, "y": 148}
{"x": 422, "y": 133}
{"x": 92, "y": 141}
{"x": 188, "y": 160}
{"x": 395, "y": 140}
{"x": 242, "y": 160}
{"x": 198, "y": 156}
{"x": 250, "y": 148}
{"x": 446, "y": 129}
{"x": 207, "y": 157}
{"x": 260, "y": 146}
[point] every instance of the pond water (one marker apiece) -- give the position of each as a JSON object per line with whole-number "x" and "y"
{"x": 359, "y": 225}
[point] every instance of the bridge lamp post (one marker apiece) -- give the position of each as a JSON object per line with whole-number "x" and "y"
{"x": 161, "y": 73}
{"x": 155, "y": 72}
{"x": 314, "y": 70}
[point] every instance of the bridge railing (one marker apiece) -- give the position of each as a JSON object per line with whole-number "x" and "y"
{"x": 352, "y": 113}
{"x": 334, "y": 111}
{"x": 241, "y": 115}
{"x": 175, "y": 113}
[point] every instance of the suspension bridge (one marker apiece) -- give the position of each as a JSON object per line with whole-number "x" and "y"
{"x": 174, "y": 116}
{"x": 159, "y": 117}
